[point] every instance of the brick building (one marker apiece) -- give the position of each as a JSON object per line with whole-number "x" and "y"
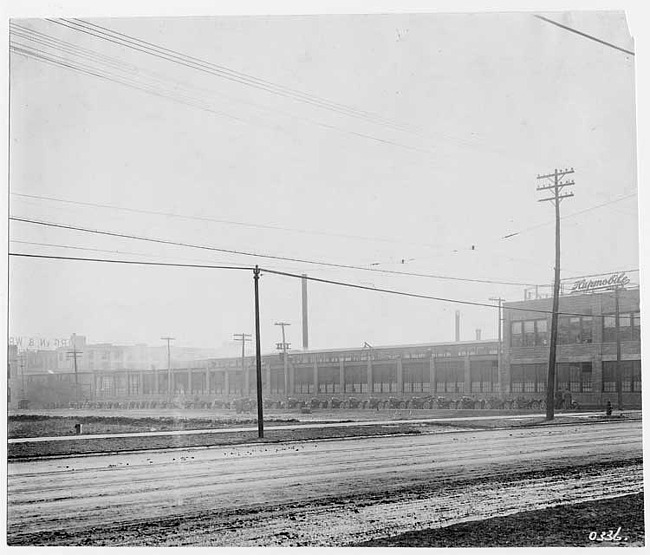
{"x": 587, "y": 365}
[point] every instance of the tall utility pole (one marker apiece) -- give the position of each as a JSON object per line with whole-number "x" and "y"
{"x": 556, "y": 188}
{"x": 305, "y": 313}
{"x": 258, "y": 355}
{"x": 619, "y": 381}
{"x": 243, "y": 337}
{"x": 22, "y": 374}
{"x": 73, "y": 355}
{"x": 169, "y": 366}
{"x": 499, "y": 361}
{"x": 284, "y": 346}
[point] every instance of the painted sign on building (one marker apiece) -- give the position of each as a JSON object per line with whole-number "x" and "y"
{"x": 600, "y": 283}
{"x": 26, "y": 343}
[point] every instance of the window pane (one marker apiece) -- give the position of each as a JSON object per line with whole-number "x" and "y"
{"x": 542, "y": 325}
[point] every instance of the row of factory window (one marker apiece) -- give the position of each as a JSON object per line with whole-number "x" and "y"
{"x": 576, "y": 377}
{"x": 364, "y": 356}
{"x": 449, "y": 378}
{"x": 575, "y": 329}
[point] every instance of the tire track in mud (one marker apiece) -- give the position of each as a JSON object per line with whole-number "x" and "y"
{"x": 96, "y": 499}
{"x": 355, "y": 522}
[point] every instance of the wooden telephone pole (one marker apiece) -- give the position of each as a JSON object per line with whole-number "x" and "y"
{"x": 283, "y": 347}
{"x": 74, "y": 354}
{"x": 556, "y": 186}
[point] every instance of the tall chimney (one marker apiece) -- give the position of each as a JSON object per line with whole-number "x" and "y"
{"x": 457, "y": 325}
{"x": 478, "y": 334}
{"x": 305, "y": 326}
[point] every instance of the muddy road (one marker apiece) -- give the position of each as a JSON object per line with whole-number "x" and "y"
{"x": 333, "y": 492}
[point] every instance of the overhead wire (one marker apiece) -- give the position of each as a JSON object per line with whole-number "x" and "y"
{"x": 301, "y": 276}
{"x": 132, "y": 262}
{"x": 140, "y": 45}
{"x": 258, "y": 255}
{"x": 221, "y": 71}
{"x": 199, "y": 103}
{"x": 582, "y": 34}
{"x": 220, "y": 221}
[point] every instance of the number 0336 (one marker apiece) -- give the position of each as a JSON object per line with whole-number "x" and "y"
{"x": 608, "y": 536}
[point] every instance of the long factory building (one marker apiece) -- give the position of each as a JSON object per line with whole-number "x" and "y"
{"x": 598, "y": 359}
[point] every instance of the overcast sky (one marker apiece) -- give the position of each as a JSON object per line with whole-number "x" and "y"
{"x": 427, "y": 152}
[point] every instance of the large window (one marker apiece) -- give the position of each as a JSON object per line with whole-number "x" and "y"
{"x": 629, "y": 324}
{"x": 384, "y": 378}
{"x": 304, "y": 380}
{"x": 630, "y": 376}
{"x": 356, "y": 379}
{"x": 575, "y": 329}
{"x": 416, "y": 378}
{"x": 485, "y": 376}
{"x": 328, "y": 380}
{"x": 529, "y": 333}
{"x": 217, "y": 382}
{"x": 450, "y": 376}
{"x": 277, "y": 381}
{"x": 528, "y": 378}
{"x": 574, "y": 376}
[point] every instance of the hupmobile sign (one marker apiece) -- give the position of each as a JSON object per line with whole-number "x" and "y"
{"x": 597, "y": 284}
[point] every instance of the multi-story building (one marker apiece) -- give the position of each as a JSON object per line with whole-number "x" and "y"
{"x": 596, "y": 359}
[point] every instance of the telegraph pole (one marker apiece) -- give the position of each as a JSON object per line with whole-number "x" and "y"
{"x": 243, "y": 337}
{"x": 169, "y": 366}
{"x": 258, "y": 355}
{"x": 499, "y": 361}
{"x": 556, "y": 187}
{"x": 73, "y": 355}
{"x": 284, "y": 347}
{"x": 22, "y": 374}
{"x": 619, "y": 381}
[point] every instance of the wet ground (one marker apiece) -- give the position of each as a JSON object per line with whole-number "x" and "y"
{"x": 330, "y": 492}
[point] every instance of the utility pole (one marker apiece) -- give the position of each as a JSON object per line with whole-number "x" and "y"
{"x": 556, "y": 187}
{"x": 243, "y": 337}
{"x": 305, "y": 312}
{"x": 499, "y": 361}
{"x": 169, "y": 367}
{"x": 619, "y": 380}
{"x": 258, "y": 355}
{"x": 73, "y": 355}
{"x": 22, "y": 374}
{"x": 284, "y": 346}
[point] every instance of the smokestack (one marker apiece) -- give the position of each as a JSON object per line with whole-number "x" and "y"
{"x": 305, "y": 325}
{"x": 457, "y": 325}
{"x": 478, "y": 334}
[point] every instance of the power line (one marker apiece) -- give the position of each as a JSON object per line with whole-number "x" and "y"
{"x": 573, "y": 214}
{"x": 267, "y": 256}
{"x": 591, "y": 37}
{"x": 302, "y": 276}
{"x": 417, "y": 295}
{"x": 133, "y": 262}
{"x": 219, "y": 221}
{"x": 193, "y": 102}
{"x": 174, "y": 56}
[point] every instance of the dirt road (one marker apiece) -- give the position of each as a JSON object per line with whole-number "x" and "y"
{"x": 317, "y": 493}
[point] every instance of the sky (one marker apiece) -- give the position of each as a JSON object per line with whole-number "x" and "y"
{"x": 402, "y": 142}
